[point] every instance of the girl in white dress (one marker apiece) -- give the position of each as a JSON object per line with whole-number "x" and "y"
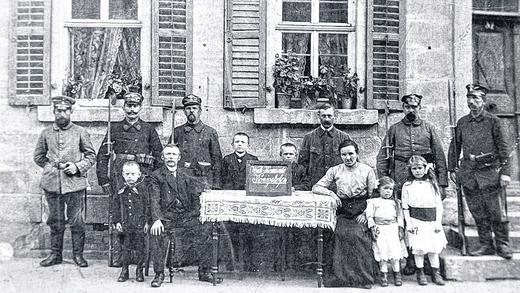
{"x": 385, "y": 220}
{"x": 422, "y": 209}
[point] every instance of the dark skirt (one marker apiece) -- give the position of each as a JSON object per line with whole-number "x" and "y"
{"x": 353, "y": 258}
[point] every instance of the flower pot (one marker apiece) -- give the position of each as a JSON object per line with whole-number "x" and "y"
{"x": 283, "y": 100}
{"x": 347, "y": 102}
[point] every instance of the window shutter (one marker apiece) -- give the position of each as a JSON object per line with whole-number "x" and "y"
{"x": 29, "y": 51}
{"x": 244, "y": 64}
{"x": 171, "y": 51}
{"x": 384, "y": 68}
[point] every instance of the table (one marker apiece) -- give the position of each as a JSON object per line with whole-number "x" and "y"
{"x": 302, "y": 209}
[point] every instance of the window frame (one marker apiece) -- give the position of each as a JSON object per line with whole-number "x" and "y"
{"x": 61, "y": 51}
{"x": 357, "y": 16}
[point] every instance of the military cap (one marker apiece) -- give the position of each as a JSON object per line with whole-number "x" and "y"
{"x": 412, "y": 97}
{"x": 191, "y": 99}
{"x": 133, "y": 98}
{"x": 63, "y": 102}
{"x": 476, "y": 90}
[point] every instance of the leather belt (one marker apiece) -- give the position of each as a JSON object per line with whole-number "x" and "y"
{"x": 125, "y": 157}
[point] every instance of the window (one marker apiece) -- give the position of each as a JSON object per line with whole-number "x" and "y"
{"x": 497, "y": 6}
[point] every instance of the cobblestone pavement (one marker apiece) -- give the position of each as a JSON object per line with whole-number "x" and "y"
{"x": 25, "y": 275}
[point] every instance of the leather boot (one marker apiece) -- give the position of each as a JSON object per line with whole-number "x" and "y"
{"x": 409, "y": 268}
{"x": 80, "y": 261}
{"x": 398, "y": 279}
{"x": 52, "y": 259}
{"x": 421, "y": 278}
{"x": 384, "y": 280}
{"x": 436, "y": 277}
{"x": 158, "y": 280}
{"x": 139, "y": 276}
{"x": 125, "y": 275}
{"x": 502, "y": 240}
{"x": 485, "y": 239}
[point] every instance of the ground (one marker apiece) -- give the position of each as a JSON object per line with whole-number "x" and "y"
{"x": 25, "y": 275}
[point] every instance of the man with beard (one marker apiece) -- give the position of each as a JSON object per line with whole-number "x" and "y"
{"x": 65, "y": 153}
{"x": 175, "y": 209}
{"x": 132, "y": 140}
{"x": 201, "y": 154}
{"x": 408, "y": 137}
{"x": 485, "y": 170}
{"x": 318, "y": 153}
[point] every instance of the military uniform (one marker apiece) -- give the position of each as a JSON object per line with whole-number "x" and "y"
{"x": 175, "y": 201}
{"x": 130, "y": 207}
{"x": 410, "y": 138}
{"x": 480, "y": 177}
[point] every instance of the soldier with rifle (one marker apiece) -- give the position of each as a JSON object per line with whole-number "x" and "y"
{"x": 483, "y": 150}
{"x": 411, "y": 136}
{"x": 131, "y": 139}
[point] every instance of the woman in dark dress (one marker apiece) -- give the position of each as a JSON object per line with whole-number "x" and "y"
{"x": 353, "y": 260}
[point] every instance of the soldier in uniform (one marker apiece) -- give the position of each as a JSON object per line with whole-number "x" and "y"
{"x": 65, "y": 153}
{"x": 408, "y": 137}
{"x": 484, "y": 172}
{"x": 132, "y": 140}
{"x": 175, "y": 208}
{"x": 201, "y": 154}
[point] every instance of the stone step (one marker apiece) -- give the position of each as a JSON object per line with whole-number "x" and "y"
{"x": 67, "y": 254}
{"x": 480, "y": 268}
{"x": 513, "y": 204}
{"x": 454, "y": 239}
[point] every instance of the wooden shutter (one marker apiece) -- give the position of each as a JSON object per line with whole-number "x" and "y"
{"x": 29, "y": 52}
{"x": 384, "y": 66}
{"x": 171, "y": 51}
{"x": 244, "y": 64}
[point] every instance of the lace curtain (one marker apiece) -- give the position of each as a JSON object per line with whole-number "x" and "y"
{"x": 97, "y": 53}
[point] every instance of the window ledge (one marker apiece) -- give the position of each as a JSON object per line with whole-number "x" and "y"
{"x": 303, "y": 116}
{"x": 100, "y": 114}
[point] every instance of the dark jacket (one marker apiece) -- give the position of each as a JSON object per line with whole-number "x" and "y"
{"x": 130, "y": 206}
{"x": 138, "y": 139}
{"x": 199, "y": 144}
{"x": 320, "y": 151}
{"x": 234, "y": 172}
{"x": 300, "y": 181}
{"x": 474, "y": 136}
{"x": 408, "y": 139}
{"x": 174, "y": 200}
{"x": 54, "y": 146}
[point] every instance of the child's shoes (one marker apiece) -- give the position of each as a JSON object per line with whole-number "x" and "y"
{"x": 384, "y": 280}
{"x": 421, "y": 278}
{"x": 398, "y": 279}
{"x": 436, "y": 277}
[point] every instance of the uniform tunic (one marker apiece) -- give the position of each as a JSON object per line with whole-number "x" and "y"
{"x": 411, "y": 138}
{"x": 386, "y": 215}
{"x": 421, "y": 194}
{"x": 199, "y": 143}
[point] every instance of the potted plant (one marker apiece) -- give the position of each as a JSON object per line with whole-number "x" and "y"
{"x": 287, "y": 80}
{"x": 322, "y": 88}
{"x": 348, "y": 88}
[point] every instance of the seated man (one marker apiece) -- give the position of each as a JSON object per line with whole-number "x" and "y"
{"x": 175, "y": 209}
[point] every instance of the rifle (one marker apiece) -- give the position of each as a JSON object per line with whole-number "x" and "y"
{"x": 173, "y": 122}
{"x": 109, "y": 143}
{"x": 388, "y": 147}
{"x": 452, "y": 108}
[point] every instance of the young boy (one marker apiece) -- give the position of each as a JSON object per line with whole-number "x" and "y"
{"x": 300, "y": 181}
{"x": 234, "y": 165}
{"x": 130, "y": 212}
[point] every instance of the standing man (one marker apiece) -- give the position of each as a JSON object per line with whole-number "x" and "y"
{"x": 484, "y": 171}
{"x": 319, "y": 152}
{"x": 175, "y": 209}
{"x": 132, "y": 140}
{"x": 65, "y": 153}
{"x": 319, "y": 149}
{"x": 201, "y": 154}
{"x": 408, "y": 137}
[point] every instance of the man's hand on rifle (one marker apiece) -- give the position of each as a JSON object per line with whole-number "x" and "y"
{"x": 119, "y": 228}
{"x": 146, "y": 228}
{"x": 505, "y": 180}
{"x": 107, "y": 189}
{"x": 157, "y": 228}
{"x": 70, "y": 168}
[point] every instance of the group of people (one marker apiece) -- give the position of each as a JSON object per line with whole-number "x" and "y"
{"x": 156, "y": 189}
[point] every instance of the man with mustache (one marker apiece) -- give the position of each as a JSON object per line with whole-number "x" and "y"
{"x": 485, "y": 170}
{"x": 199, "y": 144}
{"x": 411, "y": 136}
{"x": 65, "y": 153}
{"x": 319, "y": 152}
{"x": 132, "y": 140}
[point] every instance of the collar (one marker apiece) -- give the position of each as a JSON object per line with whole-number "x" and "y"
{"x": 416, "y": 122}
{"x": 479, "y": 117}
{"x": 173, "y": 170}
{"x": 322, "y": 130}
{"x": 198, "y": 127}
{"x": 56, "y": 127}
{"x": 127, "y": 125}
{"x": 240, "y": 156}
{"x": 326, "y": 129}
{"x": 351, "y": 167}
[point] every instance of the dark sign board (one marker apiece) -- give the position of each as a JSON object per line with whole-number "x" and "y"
{"x": 268, "y": 178}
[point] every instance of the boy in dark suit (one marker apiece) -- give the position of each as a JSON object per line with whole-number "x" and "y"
{"x": 289, "y": 153}
{"x": 234, "y": 165}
